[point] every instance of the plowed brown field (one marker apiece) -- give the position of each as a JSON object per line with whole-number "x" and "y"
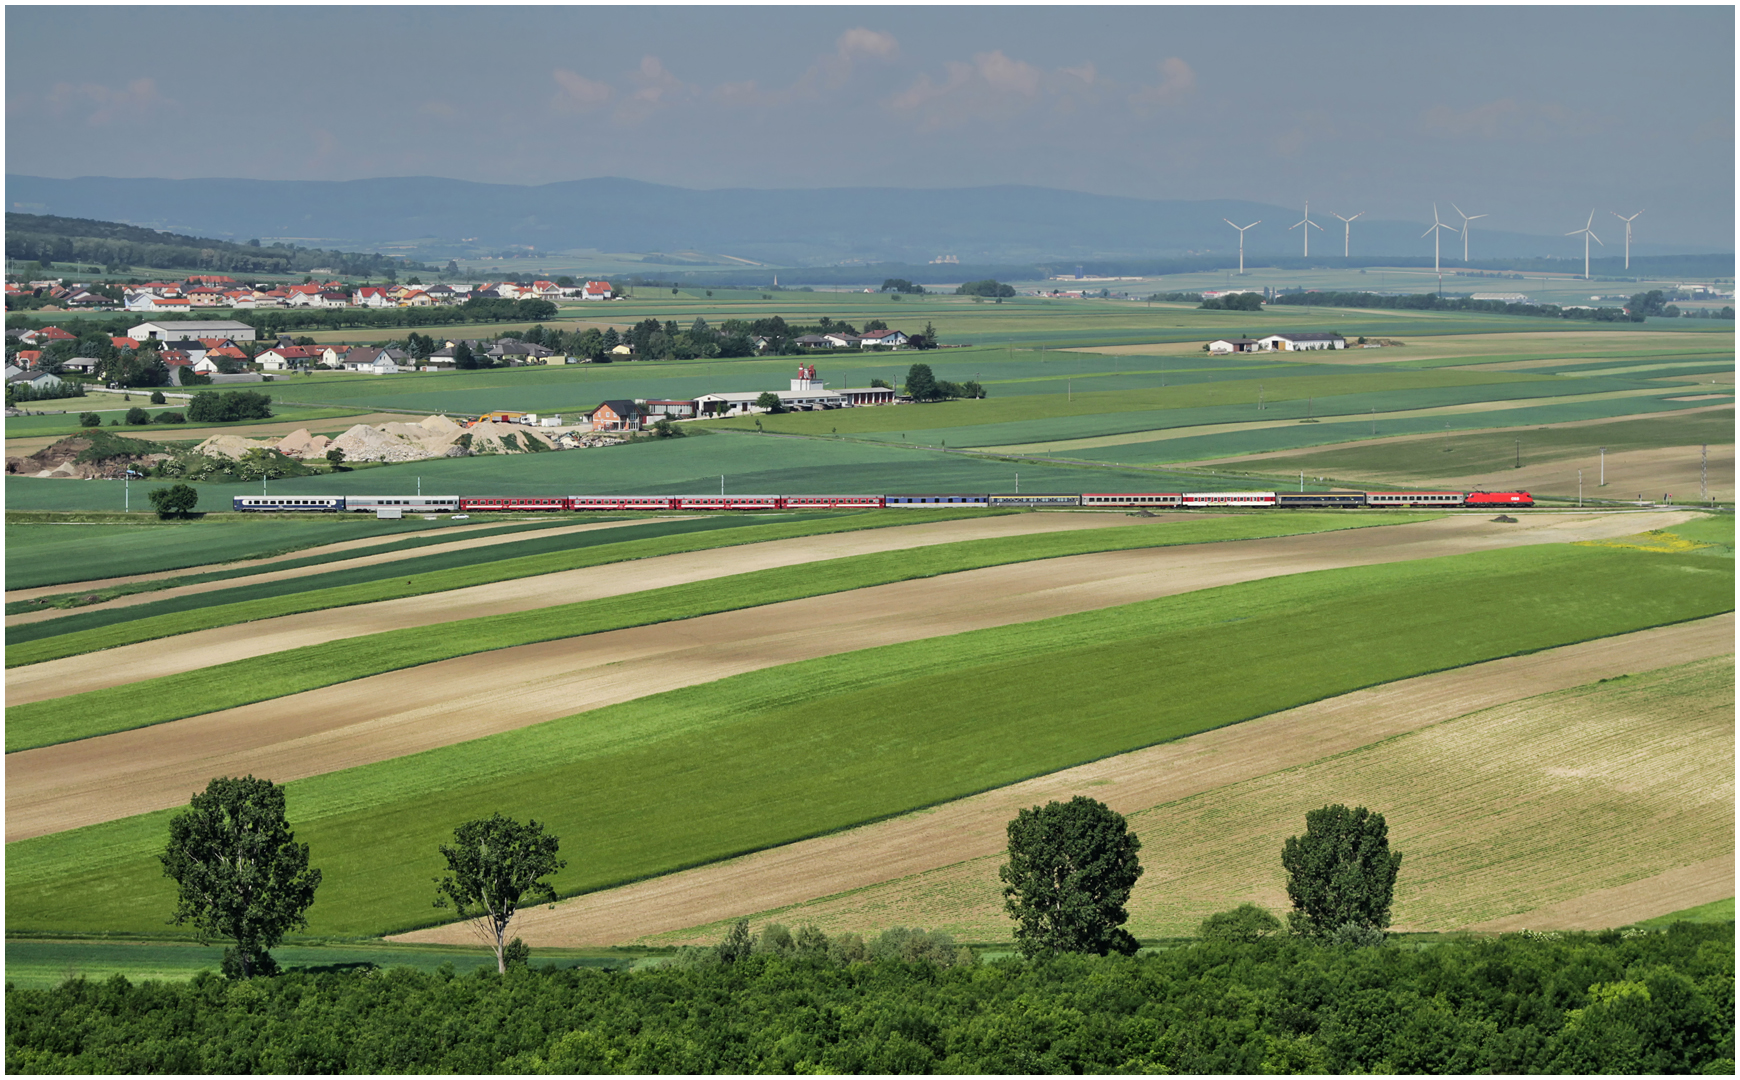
{"x": 404, "y": 712}
{"x": 937, "y": 868}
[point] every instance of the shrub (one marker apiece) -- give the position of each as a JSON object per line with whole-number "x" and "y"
{"x": 1247, "y": 922}
{"x": 169, "y": 418}
{"x": 157, "y": 398}
{"x": 90, "y": 419}
{"x": 137, "y": 416}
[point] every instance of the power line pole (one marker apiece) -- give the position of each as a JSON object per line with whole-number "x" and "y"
{"x": 1603, "y": 466}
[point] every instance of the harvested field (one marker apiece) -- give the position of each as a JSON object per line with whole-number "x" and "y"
{"x": 467, "y": 544}
{"x": 130, "y": 663}
{"x": 1646, "y": 898}
{"x": 914, "y": 869}
{"x": 72, "y": 784}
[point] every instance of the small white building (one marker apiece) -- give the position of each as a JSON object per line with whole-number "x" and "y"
{"x": 807, "y": 394}
{"x": 883, "y": 339}
{"x": 1233, "y": 345}
{"x": 1301, "y": 342}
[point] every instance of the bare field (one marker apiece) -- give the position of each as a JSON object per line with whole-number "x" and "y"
{"x": 403, "y": 712}
{"x": 184, "y": 652}
{"x": 937, "y": 868}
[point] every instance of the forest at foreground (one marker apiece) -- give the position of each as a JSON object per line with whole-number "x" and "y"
{"x": 1618, "y": 1001}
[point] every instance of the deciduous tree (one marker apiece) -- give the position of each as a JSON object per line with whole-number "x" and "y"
{"x": 1341, "y": 872}
{"x": 176, "y": 500}
{"x": 1070, "y": 871}
{"x": 240, "y": 872}
{"x": 493, "y": 868}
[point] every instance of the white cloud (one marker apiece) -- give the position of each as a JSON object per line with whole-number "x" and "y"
{"x": 992, "y": 86}
{"x": 577, "y": 94}
{"x": 105, "y": 103}
{"x": 1176, "y": 86}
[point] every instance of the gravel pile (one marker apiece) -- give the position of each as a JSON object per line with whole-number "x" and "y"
{"x": 230, "y": 446}
{"x": 300, "y": 444}
{"x": 365, "y": 443}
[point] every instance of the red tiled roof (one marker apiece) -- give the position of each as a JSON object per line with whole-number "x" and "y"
{"x": 123, "y": 343}
{"x": 55, "y": 333}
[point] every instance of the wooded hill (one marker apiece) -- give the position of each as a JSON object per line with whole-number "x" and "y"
{"x": 117, "y": 247}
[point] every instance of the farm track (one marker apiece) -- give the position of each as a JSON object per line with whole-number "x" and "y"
{"x": 15, "y": 595}
{"x": 974, "y": 828}
{"x": 341, "y": 564}
{"x": 184, "y": 652}
{"x": 405, "y": 712}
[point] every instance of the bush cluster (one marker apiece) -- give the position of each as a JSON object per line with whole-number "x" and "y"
{"x": 211, "y": 407}
{"x": 1658, "y": 1002}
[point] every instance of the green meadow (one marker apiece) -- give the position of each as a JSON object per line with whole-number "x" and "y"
{"x": 713, "y": 771}
{"x": 172, "y": 697}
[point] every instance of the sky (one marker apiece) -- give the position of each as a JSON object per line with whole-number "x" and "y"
{"x": 1532, "y": 115}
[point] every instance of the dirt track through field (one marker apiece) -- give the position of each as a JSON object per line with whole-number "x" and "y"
{"x": 405, "y": 712}
{"x": 15, "y": 595}
{"x": 183, "y": 652}
{"x": 466, "y": 544}
{"x": 974, "y": 828}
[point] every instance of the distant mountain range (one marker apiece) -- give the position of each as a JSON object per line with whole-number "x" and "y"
{"x": 431, "y": 218}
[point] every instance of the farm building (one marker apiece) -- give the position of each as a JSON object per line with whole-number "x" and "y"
{"x": 236, "y": 331}
{"x": 1232, "y": 345}
{"x": 807, "y": 394}
{"x": 676, "y": 410}
{"x": 1301, "y": 342}
{"x": 883, "y": 339}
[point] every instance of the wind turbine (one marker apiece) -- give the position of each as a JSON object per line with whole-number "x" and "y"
{"x": 1465, "y": 220}
{"x": 1309, "y": 222}
{"x": 1433, "y": 233}
{"x": 1241, "y": 229}
{"x": 1587, "y": 232}
{"x": 1628, "y": 221}
{"x": 1347, "y": 236}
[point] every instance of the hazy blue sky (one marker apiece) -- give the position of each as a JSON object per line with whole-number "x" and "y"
{"x": 1532, "y": 115}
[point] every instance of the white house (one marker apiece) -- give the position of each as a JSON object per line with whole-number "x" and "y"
{"x": 235, "y": 331}
{"x": 150, "y": 302}
{"x": 1232, "y": 345}
{"x": 373, "y": 296}
{"x": 597, "y": 290}
{"x": 1301, "y": 342}
{"x": 883, "y": 339}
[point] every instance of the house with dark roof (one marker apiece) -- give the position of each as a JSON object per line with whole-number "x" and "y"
{"x": 618, "y": 415}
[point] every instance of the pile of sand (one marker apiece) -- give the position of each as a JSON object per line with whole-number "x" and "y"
{"x": 300, "y": 444}
{"x": 230, "y": 446}
{"x": 365, "y": 443}
{"x": 492, "y": 438}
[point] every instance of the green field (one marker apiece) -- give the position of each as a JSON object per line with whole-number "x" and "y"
{"x": 426, "y": 538}
{"x": 172, "y": 697}
{"x": 713, "y": 771}
{"x": 41, "y": 553}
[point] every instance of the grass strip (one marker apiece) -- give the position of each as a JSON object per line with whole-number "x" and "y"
{"x": 293, "y": 671}
{"x": 80, "y": 598}
{"x": 709, "y": 772}
{"x": 574, "y": 556}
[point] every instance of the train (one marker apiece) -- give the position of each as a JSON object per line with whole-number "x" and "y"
{"x": 1185, "y": 500}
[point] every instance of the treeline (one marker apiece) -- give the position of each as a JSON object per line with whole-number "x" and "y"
{"x": 116, "y": 247}
{"x": 1615, "y": 1002}
{"x": 1433, "y": 302}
